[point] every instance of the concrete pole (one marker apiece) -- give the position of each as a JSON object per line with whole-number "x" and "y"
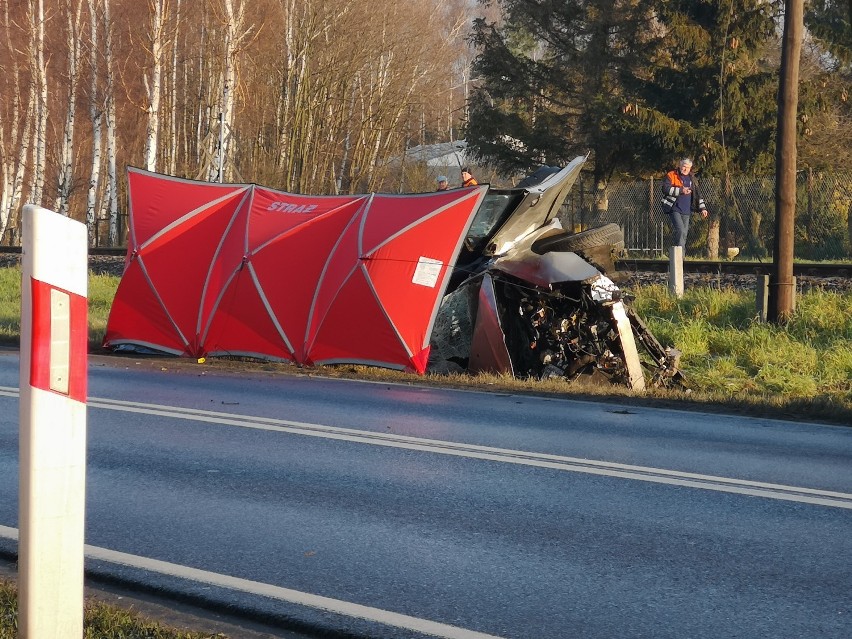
{"x": 761, "y": 299}
{"x": 676, "y": 271}
{"x": 53, "y": 379}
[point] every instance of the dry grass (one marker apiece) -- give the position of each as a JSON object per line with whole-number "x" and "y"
{"x": 100, "y": 621}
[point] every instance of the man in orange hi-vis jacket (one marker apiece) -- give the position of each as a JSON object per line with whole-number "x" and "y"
{"x": 681, "y": 199}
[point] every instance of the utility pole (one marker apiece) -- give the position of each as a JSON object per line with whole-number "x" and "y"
{"x": 781, "y": 287}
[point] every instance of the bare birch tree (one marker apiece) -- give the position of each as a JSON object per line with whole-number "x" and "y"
{"x": 323, "y": 101}
{"x": 236, "y": 33}
{"x": 293, "y": 72}
{"x": 111, "y": 125}
{"x": 74, "y": 12}
{"x": 38, "y": 74}
{"x": 208, "y": 96}
{"x": 96, "y": 116}
{"x": 171, "y": 149}
{"x": 16, "y": 140}
{"x": 153, "y": 80}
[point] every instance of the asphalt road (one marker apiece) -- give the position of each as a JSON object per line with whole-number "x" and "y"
{"x": 376, "y": 509}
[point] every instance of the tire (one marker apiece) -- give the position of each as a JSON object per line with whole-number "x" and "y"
{"x": 608, "y": 234}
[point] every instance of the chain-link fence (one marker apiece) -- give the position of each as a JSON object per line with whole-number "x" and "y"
{"x": 742, "y": 219}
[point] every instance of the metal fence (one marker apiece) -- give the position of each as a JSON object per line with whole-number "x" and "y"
{"x": 742, "y": 219}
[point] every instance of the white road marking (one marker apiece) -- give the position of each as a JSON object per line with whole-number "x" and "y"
{"x": 472, "y": 451}
{"x": 337, "y": 606}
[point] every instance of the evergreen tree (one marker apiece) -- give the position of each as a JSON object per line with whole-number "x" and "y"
{"x": 636, "y": 83}
{"x": 830, "y": 23}
{"x": 555, "y": 81}
{"x": 718, "y": 82}
{"x": 827, "y": 114}
{"x": 828, "y": 134}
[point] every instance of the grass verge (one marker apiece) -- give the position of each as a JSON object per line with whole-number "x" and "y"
{"x": 100, "y": 621}
{"x": 733, "y": 362}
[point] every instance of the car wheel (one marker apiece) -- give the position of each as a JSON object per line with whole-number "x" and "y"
{"x": 591, "y": 238}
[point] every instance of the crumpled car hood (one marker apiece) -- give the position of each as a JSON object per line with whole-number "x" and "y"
{"x": 540, "y": 205}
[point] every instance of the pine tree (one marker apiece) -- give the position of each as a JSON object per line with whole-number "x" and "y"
{"x": 555, "y": 82}
{"x": 636, "y": 83}
{"x": 719, "y": 81}
{"x": 827, "y": 113}
{"x": 830, "y": 23}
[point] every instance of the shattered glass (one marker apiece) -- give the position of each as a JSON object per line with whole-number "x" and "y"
{"x": 453, "y": 329}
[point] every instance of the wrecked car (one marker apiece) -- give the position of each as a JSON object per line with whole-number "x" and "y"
{"x": 529, "y": 299}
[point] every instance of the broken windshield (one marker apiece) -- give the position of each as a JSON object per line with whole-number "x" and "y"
{"x": 492, "y": 213}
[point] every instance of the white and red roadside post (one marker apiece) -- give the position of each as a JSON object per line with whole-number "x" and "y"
{"x": 52, "y": 498}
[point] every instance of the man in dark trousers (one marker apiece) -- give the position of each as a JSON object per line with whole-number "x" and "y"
{"x": 681, "y": 199}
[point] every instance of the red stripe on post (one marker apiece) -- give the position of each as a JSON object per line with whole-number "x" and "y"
{"x": 41, "y": 347}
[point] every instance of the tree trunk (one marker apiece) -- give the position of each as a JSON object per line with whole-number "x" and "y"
{"x": 713, "y": 232}
{"x": 849, "y": 223}
{"x": 235, "y": 35}
{"x": 21, "y": 168}
{"x": 171, "y": 147}
{"x": 66, "y": 164}
{"x": 96, "y": 116}
{"x": 601, "y": 200}
{"x": 112, "y": 145}
{"x": 14, "y": 156}
{"x": 757, "y": 241}
{"x": 154, "y": 81}
{"x": 38, "y": 68}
